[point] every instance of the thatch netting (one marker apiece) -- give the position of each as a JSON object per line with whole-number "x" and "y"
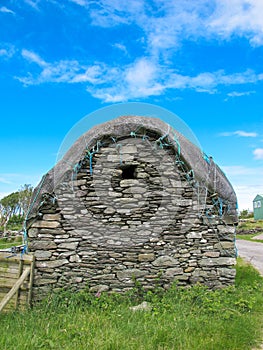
{"x": 206, "y": 172}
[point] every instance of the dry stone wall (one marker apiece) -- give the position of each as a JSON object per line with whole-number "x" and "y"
{"x": 128, "y": 212}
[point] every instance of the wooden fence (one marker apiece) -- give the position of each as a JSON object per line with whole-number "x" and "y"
{"x": 16, "y": 280}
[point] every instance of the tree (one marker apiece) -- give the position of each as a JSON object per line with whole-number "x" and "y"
{"x": 9, "y": 206}
{"x": 245, "y": 214}
{"x": 16, "y": 203}
{"x": 25, "y": 194}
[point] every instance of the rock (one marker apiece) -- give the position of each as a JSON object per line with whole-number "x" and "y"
{"x": 52, "y": 217}
{"x": 42, "y": 254}
{"x": 171, "y": 272}
{"x": 144, "y": 306}
{"x": 224, "y": 245}
{"x": 164, "y": 261}
{"x": 129, "y": 274}
{"x": 75, "y": 258}
{"x": 99, "y": 288}
{"x": 217, "y": 262}
{"x": 46, "y": 224}
{"x": 68, "y": 246}
{"x": 212, "y": 254}
{"x": 194, "y": 235}
{"x": 42, "y": 245}
{"x": 52, "y": 263}
{"x": 146, "y": 257}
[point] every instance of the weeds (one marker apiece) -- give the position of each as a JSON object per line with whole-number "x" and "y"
{"x": 193, "y": 318}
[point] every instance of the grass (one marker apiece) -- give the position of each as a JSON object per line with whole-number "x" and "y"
{"x": 250, "y": 224}
{"x": 6, "y": 242}
{"x": 194, "y": 318}
{"x": 250, "y": 237}
{"x": 247, "y": 226}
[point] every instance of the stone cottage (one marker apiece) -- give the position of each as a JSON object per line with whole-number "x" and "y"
{"x": 132, "y": 199}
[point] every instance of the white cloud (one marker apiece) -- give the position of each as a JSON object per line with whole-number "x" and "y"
{"x": 239, "y": 94}
{"x": 4, "y": 9}
{"x": 64, "y": 71}
{"x": 143, "y": 78}
{"x": 4, "y": 180}
{"x": 33, "y": 3}
{"x": 141, "y": 74}
{"x": 108, "y": 13}
{"x": 166, "y": 24}
{"x": 247, "y": 183}
{"x": 239, "y": 17}
{"x": 33, "y": 57}
{"x": 246, "y": 194}
{"x": 239, "y": 133}
{"x": 11, "y": 182}
{"x": 258, "y": 153}
{"x": 7, "y": 50}
{"x": 137, "y": 80}
{"x": 154, "y": 79}
{"x": 83, "y": 3}
{"x": 237, "y": 170}
{"x": 121, "y": 47}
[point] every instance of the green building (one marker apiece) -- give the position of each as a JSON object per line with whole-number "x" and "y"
{"x": 258, "y": 207}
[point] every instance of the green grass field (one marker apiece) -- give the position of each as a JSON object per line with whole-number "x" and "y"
{"x": 6, "y": 243}
{"x": 193, "y": 318}
{"x": 250, "y": 224}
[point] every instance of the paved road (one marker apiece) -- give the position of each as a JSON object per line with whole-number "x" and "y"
{"x": 251, "y": 252}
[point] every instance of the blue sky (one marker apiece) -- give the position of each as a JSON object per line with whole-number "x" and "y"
{"x": 200, "y": 59}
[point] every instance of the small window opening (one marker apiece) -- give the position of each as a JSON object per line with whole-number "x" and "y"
{"x": 128, "y": 171}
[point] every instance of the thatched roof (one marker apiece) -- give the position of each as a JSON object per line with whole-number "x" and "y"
{"x": 204, "y": 168}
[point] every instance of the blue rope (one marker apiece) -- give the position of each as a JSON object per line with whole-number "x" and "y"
{"x": 145, "y": 137}
{"x": 235, "y": 247}
{"x": 221, "y": 202}
{"x": 206, "y": 158}
{"x": 177, "y": 142}
{"x": 25, "y": 236}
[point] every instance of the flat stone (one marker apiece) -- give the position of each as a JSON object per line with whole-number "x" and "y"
{"x": 46, "y": 224}
{"x": 128, "y": 149}
{"x": 146, "y": 257}
{"x": 52, "y": 264}
{"x": 194, "y": 235}
{"x": 69, "y": 246}
{"x": 189, "y": 269}
{"x": 217, "y": 262}
{"x": 129, "y": 183}
{"x": 109, "y": 210}
{"x": 44, "y": 281}
{"x": 42, "y": 245}
{"x": 225, "y": 245}
{"x": 165, "y": 261}
{"x": 130, "y": 273}
{"x": 52, "y": 217}
{"x": 99, "y": 288}
{"x": 75, "y": 258}
{"x": 42, "y": 254}
{"x": 226, "y": 272}
{"x": 226, "y": 229}
{"x": 173, "y": 272}
{"x": 32, "y": 232}
{"x": 212, "y": 254}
